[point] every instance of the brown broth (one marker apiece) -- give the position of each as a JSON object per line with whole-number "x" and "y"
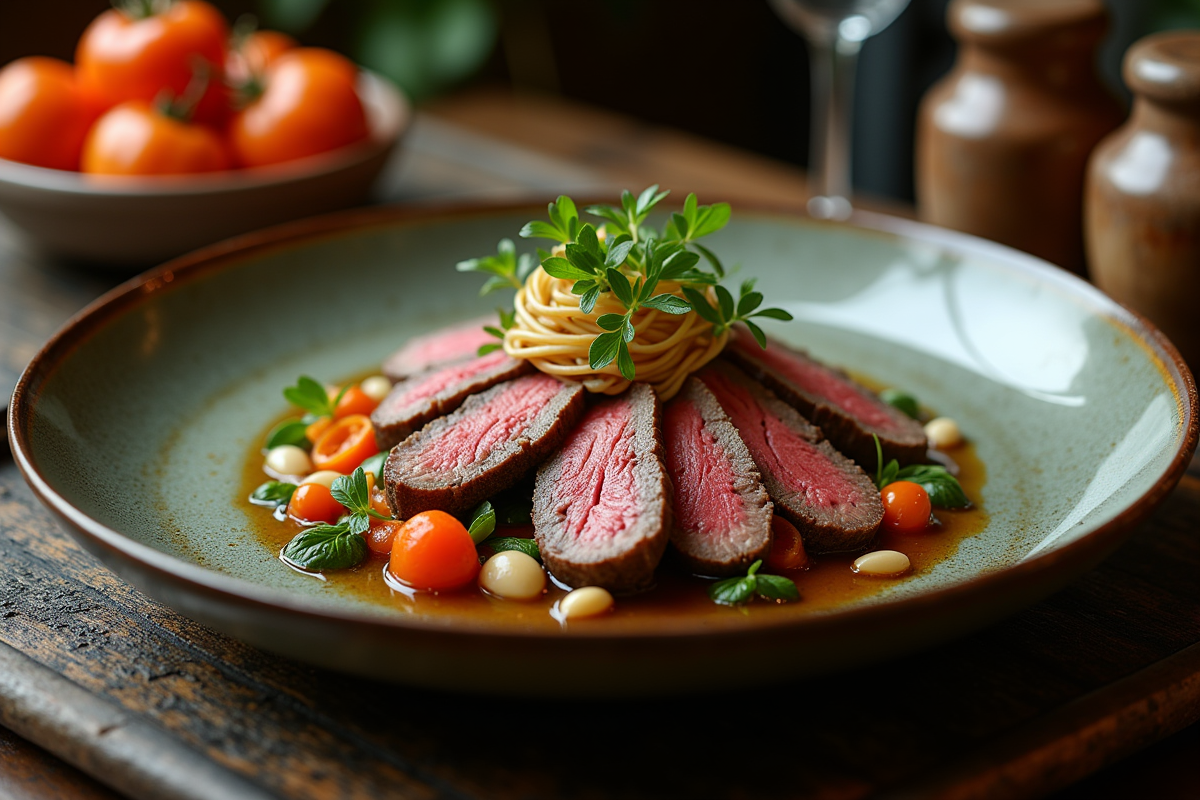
{"x": 825, "y": 585}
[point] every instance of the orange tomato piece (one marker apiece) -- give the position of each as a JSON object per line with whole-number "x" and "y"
{"x": 433, "y": 551}
{"x": 787, "y": 547}
{"x": 354, "y": 401}
{"x": 44, "y": 115}
{"x": 379, "y": 502}
{"x": 123, "y": 57}
{"x": 314, "y": 431}
{"x": 309, "y": 105}
{"x": 345, "y": 444}
{"x": 906, "y": 507}
{"x": 312, "y": 502}
{"x": 382, "y": 534}
{"x": 135, "y": 138}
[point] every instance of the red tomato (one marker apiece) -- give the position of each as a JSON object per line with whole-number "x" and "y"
{"x": 354, "y": 401}
{"x": 345, "y": 444}
{"x": 137, "y": 139}
{"x": 255, "y": 53}
{"x": 309, "y": 105}
{"x": 787, "y": 548}
{"x": 44, "y": 115}
{"x": 124, "y": 57}
{"x": 434, "y": 552}
{"x": 906, "y": 507}
{"x": 312, "y": 502}
{"x": 382, "y": 534}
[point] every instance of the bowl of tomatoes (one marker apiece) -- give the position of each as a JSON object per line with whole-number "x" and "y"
{"x": 171, "y": 131}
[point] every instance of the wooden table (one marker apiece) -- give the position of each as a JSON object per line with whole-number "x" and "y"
{"x": 154, "y": 705}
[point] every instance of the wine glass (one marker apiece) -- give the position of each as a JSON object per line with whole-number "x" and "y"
{"x": 835, "y": 31}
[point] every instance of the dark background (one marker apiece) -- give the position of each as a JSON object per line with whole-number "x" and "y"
{"x": 731, "y": 71}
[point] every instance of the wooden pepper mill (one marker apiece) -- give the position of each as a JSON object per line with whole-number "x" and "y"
{"x": 1003, "y": 139}
{"x": 1143, "y": 192}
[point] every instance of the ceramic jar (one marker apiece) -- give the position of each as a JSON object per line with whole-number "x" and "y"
{"x": 1003, "y": 139}
{"x": 1143, "y": 192}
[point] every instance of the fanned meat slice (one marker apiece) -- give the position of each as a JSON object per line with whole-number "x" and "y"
{"x": 486, "y": 446}
{"x": 437, "y": 349}
{"x": 846, "y": 412}
{"x": 722, "y": 512}
{"x": 832, "y": 502}
{"x": 437, "y": 392}
{"x": 602, "y": 503}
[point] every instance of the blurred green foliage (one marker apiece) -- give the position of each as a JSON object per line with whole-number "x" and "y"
{"x": 1175, "y": 14}
{"x": 425, "y": 46}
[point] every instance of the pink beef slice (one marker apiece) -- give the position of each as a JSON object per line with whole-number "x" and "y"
{"x": 722, "y": 512}
{"x": 832, "y": 502}
{"x": 486, "y": 446}
{"x": 847, "y": 412}
{"x": 437, "y": 349}
{"x": 435, "y": 393}
{"x": 602, "y": 503}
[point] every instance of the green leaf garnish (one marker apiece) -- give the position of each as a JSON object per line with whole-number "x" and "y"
{"x": 273, "y": 493}
{"x": 311, "y": 396}
{"x": 901, "y": 400}
{"x": 527, "y": 546}
{"x": 290, "y": 431}
{"x": 326, "y": 547}
{"x": 604, "y": 349}
{"x": 374, "y": 465}
{"x": 943, "y": 489}
{"x": 353, "y": 492}
{"x": 506, "y": 267}
{"x": 482, "y": 523}
{"x": 735, "y": 591}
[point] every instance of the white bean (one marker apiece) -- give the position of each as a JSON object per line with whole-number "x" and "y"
{"x": 882, "y": 563}
{"x": 513, "y": 576}
{"x": 376, "y": 387}
{"x": 585, "y": 602}
{"x": 325, "y": 477}
{"x": 287, "y": 459}
{"x": 943, "y": 432}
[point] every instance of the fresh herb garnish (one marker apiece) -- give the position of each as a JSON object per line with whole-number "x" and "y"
{"x": 508, "y": 270}
{"x": 726, "y": 312}
{"x": 353, "y": 492}
{"x": 326, "y": 547}
{"x": 273, "y": 493}
{"x": 527, "y": 546}
{"x": 735, "y": 591}
{"x": 290, "y": 431}
{"x": 943, "y": 489}
{"x": 507, "y": 319}
{"x": 312, "y": 397}
{"x": 374, "y": 465}
{"x": 901, "y": 400}
{"x": 482, "y": 522}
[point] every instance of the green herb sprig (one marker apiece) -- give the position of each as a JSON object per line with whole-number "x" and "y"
{"x": 736, "y": 591}
{"x": 903, "y": 401}
{"x": 482, "y": 527}
{"x": 508, "y": 270}
{"x": 273, "y": 493}
{"x": 943, "y": 489}
{"x": 507, "y": 320}
{"x": 339, "y": 546}
{"x": 310, "y": 395}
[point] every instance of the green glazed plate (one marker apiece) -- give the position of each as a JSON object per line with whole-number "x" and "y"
{"x": 133, "y": 422}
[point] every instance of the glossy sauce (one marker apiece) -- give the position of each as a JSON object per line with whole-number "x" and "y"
{"x": 825, "y": 585}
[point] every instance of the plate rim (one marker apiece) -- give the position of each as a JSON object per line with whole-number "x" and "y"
{"x": 203, "y": 581}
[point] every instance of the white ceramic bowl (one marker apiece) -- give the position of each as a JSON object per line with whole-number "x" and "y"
{"x": 127, "y": 221}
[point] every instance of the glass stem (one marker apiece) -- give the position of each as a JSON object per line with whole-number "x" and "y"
{"x": 833, "y": 61}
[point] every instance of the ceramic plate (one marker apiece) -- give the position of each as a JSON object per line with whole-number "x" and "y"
{"x": 133, "y": 423}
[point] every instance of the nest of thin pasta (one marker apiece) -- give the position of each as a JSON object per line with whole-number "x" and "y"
{"x": 550, "y": 331}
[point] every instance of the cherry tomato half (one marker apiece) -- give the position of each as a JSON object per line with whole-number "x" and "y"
{"x": 312, "y": 502}
{"x": 787, "y": 548}
{"x": 906, "y": 507}
{"x": 124, "y": 57}
{"x": 434, "y": 552}
{"x": 44, "y": 115}
{"x": 135, "y": 138}
{"x": 309, "y": 105}
{"x": 354, "y": 401}
{"x": 345, "y": 444}
{"x": 382, "y": 534}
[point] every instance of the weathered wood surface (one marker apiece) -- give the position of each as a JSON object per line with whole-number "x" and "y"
{"x": 1104, "y": 667}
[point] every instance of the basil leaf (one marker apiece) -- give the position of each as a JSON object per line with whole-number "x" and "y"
{"x": 309, "y": 395}
{"x": 611, "y": 322}
{"x": 733, "y": 591}
{"x": 326, "y": 547}
{"x": 678, "y": 264}
{"x": 352, "y": 492}
{"x": 585, "y": 259}
{"x": 527, "y": 546}
{"x": 901, "y": 400}
{"x": 944, "y": 489}
{"x": 290, "y": 431}
{"x": 559, "y": 267}
{"x": 359, "y": 523}
{"x": 604, "y": 349}
{"x": 889, "y": 474}
{"x": 777, "y": 587}
{"x": 273, "y": 493}
{"x": 482, "y": 523}
{"x": 668, "y": 303}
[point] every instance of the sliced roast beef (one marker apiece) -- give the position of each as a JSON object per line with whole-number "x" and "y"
{"x": 722, "y": 512}
{"x": 847, "y": 412}
{"x": 437, "y": 349}
{"x": 602, "y": 503}
{"x": 487, "y": 445}
{"x": 832, "y": 502}
{"x": 437, "y": 392}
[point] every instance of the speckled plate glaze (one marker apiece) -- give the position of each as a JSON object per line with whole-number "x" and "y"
{"x": 132, "y": 424}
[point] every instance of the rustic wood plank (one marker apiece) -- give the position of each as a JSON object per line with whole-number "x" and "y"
{"x": 30, "y": 773}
